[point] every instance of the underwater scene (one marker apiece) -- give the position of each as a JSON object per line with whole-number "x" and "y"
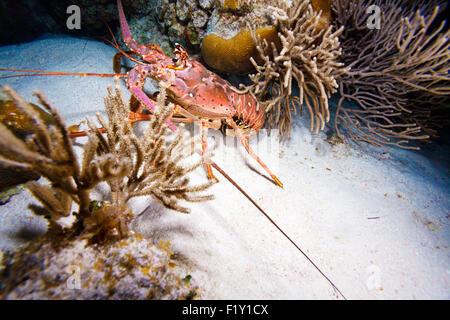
{"x": 224, "y": 149}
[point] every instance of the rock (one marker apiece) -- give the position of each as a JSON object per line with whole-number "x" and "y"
{"x": 206, "y": 4}
{"x": 199, "y": 18}
{"x": 184, "y": 10}
{"x": 132, "y": 268}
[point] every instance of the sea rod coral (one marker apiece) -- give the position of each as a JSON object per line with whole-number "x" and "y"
{"x": 398, "y": 85}
{"x": 308, "y": 57}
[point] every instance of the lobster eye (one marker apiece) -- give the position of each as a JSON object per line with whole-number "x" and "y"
{"x": 175, "y": 60}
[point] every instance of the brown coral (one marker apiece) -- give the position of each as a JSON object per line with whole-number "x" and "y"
{"x": 308, "y": 57}
{"x": 233, "y": 55}
{"x": 155, "y": 167}
{"x": 49, "y": 152}
{"x": 325, "y": 17}
{"x": 228, "y": 44}
{"x": 13, "y": 118}
{"x": 132, "y": 166}
{"x": 87, "y": 261}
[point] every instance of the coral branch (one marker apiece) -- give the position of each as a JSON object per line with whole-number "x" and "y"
{"x": 131, "y": 165}
{"x": 309, "y": 55}
{"x": 399, "y": 77}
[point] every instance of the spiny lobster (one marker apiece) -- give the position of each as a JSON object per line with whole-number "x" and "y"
{"x": 200, "y": 95}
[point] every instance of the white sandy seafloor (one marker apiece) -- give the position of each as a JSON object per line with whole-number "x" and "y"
{"x": 376, "y": 223}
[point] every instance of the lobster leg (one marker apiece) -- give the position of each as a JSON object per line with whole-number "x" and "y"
{"x": 136, "y": 116}
{"x": 204, "y": 132}
{"x": 244, "y": 141}
{"x": 182, "y": 115}
{"x": 117, "y": 64}
{"x": 135, "y": 83}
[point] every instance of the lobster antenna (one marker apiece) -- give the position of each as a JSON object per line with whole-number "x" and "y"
{"x": 55, "y": 73}
{"x": 212, "y": 163}
{"x": 116, "y": 45}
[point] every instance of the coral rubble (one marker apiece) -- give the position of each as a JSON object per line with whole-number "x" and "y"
{"x": 132, "y": 268}
{"x": 219, "y": 28}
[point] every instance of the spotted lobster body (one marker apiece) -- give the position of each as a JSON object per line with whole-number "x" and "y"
{"x": 205, "y": 94}
{"x": 199, "y": 91}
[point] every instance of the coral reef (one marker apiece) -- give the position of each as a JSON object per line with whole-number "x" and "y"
{"x": 232, "y": 56}
{"x": 166, "y": 22}
{"x": 219, "y": 28}
{"x": 131, "y": 268}
{"x": 399, "y": 75}
{"x": 131, "y": 166}
{"x": 308, "y": 57}
{"x": 145, "y": 30}
{"x": 228, "y": 45}
{"x": 114, "y": 261}
{"x": 184, "y": 21}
